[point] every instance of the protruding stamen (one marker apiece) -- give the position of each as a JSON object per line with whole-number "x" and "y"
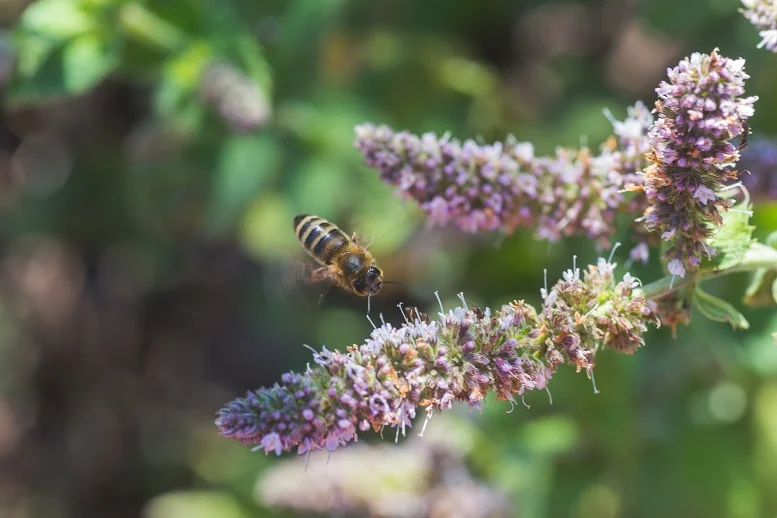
{"x": 590, "y": 372}
{"x": 306, "y": 346}
{"x": 512, "y": 406}
{"x": 371, "y": 322}
{"x": 732, "y": 186}
{"x": 402, "y": 311}
{"x": 381, "y": 318}
{"x": 463, "y": 301}
{"x": 437, "y": 294}
{"x": 612, "y": 252}
{"x": 591, "y": 310}
{"x": 523, "y": 400}
{"x": 545, "y": 283}
{"x": 426, "y": 422}
{"x": 610, "y": 116}
{"x": 550, "y": 396}
{"x": 671, "y": 282}
{"x": 307, "y": 460}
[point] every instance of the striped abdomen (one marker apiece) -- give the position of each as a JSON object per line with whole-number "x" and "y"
{"x": 322, "y": 239}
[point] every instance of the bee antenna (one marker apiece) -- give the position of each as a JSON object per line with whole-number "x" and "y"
{"x": 393, "y": 282}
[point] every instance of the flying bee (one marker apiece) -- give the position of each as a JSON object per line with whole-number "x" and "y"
{"x": 343, "y": 259}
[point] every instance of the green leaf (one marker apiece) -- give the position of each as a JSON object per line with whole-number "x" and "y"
{"x": 255, "y": 63}
{"x": 761, "y": 291}
{"x": 181, "y": 78}
{"x": 45, "y": 82}
{"x": 246, "y": 164}
{"x": 718, "y": 309}
{"x": 763, "y": 286}
{"x": 86, "y": 61}
{"x": 734, "y": 238}
{"x": 56, "y": 19}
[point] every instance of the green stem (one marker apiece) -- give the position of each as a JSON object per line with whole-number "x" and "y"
{"x": 757, "y": 257}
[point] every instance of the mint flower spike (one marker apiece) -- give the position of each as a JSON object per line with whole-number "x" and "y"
{"x": 461, "y": 356}
{"x": 763, "y": 15}
{"x": 504, "y": 186}
{"x": 700, "y": 109}
{"x": 238, "y": 100}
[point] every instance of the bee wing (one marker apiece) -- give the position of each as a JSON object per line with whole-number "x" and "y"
{"x": 361, "y": 240}
{"x": 295, "y": 282}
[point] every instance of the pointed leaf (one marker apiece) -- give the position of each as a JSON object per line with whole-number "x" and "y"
{"x": 763, "y": 287}
{"x": 733, "y": 239}
{"x": 718, "y": 309}
{"x": 86, "y": 61}
{"x": 761, "y": 291}
{"x": 56, "y": 19}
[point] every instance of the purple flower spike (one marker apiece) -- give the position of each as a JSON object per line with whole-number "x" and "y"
{"x": 240, "y": 102}
{"x": 701, "y": 108}
{"x": 763, "y": 15}
{"x": 503, "y": 186}
{"x": 462, "y": 356}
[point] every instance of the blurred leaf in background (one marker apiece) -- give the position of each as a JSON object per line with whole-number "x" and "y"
{"x": 152, "y": 157}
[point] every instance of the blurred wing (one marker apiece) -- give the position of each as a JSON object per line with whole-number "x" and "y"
{"x": 294, "y": 283}
{"x": 361, "y": 240}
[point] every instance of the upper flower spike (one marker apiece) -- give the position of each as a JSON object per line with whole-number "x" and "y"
{"x": 763, "y": 14}
{"x": 501, "y": 186}
{"x": 700, "y": 109}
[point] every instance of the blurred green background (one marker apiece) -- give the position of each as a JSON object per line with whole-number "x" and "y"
{"x": 145, "y": 224}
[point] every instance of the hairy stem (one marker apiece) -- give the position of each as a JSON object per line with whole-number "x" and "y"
{"x": 759, "y": 256}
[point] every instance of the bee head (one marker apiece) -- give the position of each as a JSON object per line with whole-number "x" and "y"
{"x": 370, "y": 282}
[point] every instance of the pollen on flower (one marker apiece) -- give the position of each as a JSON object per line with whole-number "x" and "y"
{"x": 461, "y": 356}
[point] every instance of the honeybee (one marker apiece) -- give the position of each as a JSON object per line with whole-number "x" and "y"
{"x": 343, "y": 259}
